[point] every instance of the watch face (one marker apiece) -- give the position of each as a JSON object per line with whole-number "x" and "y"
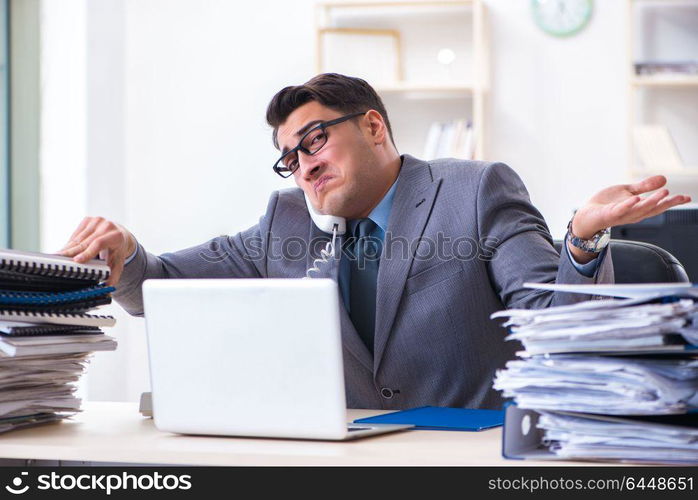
{"x": 562, "y": 17}
{"x": 603, "y": 241}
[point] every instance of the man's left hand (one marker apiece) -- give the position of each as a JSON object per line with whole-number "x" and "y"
{"x": 621, "y": 204}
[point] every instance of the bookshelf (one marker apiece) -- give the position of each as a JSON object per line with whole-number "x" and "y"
{"x": 657, "y": 33}
{"x": 665, "y": 81}
{"x": 428, "y": 60}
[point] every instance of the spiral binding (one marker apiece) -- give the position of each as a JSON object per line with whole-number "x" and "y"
{"x": 79, "y": 307}
{"x": 24, "y": 331}
{"x": 56, "y": 318}
{"x": 54, "y": 270}
{"x": 325, "y": 254}
{"x": 47, "y": 298}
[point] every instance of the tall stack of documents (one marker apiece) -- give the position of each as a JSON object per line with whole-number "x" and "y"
{"x": 46, "y": 333}
{"x": 613, "y": 379}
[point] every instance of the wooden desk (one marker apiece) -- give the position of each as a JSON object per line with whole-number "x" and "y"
{"x": 117, "y": 433}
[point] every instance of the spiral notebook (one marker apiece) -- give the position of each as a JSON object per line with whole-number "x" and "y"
{"x": 17, "y": 329}
{"x": 56, "y": 318}
{"x": 82, "y": 306}
{"x": 78, "y": 301}
{"x": 34, "y": 271}
{"x": 13, "y": 297}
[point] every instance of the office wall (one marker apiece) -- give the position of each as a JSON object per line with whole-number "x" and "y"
{"x": 181, "y": 135}
{"x": 558, "y": 106}
{"x": 178, "y": 151}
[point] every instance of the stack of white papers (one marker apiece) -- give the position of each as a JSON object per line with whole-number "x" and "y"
{"x": 46, "y": 333}
{"x": 597, "y": 437}
{"x": 38, "y": 375}
{"x": 604, "y": 325}
{"x": 35, "y": 389}
{"x": 609, "y": 378}
{"x": 56, "y": 344}
{"x": 608, "y": 385}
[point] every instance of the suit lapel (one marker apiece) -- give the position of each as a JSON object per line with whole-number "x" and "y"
{"x": 414, "y": 198}
{"x": 350, "y": 337}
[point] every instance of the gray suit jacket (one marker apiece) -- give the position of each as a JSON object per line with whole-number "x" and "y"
{"x": 434, "y": 341}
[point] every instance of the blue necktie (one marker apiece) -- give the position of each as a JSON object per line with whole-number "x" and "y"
{"x": 364, "y": 275}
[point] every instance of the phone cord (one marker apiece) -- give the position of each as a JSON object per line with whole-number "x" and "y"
{"x": 325, "y": 254}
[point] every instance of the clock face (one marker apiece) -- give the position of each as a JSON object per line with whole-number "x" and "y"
{"x": 562, "y": 17}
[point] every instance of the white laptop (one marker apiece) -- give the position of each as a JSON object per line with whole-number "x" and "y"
{"x": 249, "y": 357}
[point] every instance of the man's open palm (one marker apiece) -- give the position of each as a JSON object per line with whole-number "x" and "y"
{"x": 622, "y": 204}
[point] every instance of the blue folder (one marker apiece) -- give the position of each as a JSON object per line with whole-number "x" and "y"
{"x": 440, "y": 419}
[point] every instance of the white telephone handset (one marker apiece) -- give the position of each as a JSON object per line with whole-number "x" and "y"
{"x": 326, "y": 223}
{"x": 336, "y": 226}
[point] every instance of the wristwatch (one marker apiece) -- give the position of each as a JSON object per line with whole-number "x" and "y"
{"x": 593, "y": 245}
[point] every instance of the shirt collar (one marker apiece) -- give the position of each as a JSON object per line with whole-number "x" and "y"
{"x": 381, "y": 212}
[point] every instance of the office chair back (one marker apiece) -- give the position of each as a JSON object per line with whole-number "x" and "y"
{"x": 639, "y": 262}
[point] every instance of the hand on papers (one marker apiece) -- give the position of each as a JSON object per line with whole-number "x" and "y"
{"x": 622, "y": 204}
{"x": 96, "y": 236}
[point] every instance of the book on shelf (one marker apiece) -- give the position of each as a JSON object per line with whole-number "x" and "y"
{"x": 452, "y": 139}
{"x": 666, "y": 68}
{"x": 656, "y": 149}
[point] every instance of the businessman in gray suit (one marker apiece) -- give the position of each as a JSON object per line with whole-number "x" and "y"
{"x": 431, "y": 249}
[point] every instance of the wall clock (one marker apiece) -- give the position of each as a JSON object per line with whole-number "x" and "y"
{"x": 562, "y": 17}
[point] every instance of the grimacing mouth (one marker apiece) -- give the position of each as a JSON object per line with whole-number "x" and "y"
{"x": 322, "y": 180}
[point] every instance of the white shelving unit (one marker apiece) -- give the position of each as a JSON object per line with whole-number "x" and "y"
{"x": 416, "y": 89}
{"x": 654, "y": 90}
{"x": 664, "y": 81}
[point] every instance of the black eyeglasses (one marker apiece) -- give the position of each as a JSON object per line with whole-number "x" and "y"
{"x": 312, "y": 142}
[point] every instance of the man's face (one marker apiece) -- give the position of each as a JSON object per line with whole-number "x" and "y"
{"x": 337, "y": 176}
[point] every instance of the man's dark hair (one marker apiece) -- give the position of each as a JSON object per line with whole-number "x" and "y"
{"x": 345, "y": 94}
